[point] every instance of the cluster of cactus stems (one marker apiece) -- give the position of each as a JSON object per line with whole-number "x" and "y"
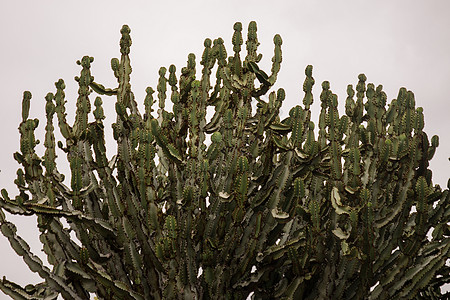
{"x": 271, "y": 208}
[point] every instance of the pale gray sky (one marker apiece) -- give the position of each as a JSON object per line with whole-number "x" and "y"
{"x": 395, "y": 43}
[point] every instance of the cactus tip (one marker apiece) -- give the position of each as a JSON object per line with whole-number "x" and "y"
{"x": 308, "y": 70}
{"x": 26, "y": 95}
{"x": 362, "y": 77}
{"x": 207, "y": 43}
{"x": 125, "y": 29}
{"x": 277, "y": 40}
{"x": 237, "y": 26}
{"x": 162, "y": 71}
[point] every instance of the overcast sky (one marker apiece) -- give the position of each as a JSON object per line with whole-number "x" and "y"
{"x": 395, "y": 43}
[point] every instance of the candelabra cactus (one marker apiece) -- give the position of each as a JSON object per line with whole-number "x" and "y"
{"x": 265, "y": 208}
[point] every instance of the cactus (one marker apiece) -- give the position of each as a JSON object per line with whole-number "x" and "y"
{"x": 266, "y": 208}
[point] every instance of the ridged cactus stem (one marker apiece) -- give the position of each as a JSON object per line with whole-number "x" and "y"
{"x": 83, "y": 103}
{"x": 252, "y": 43}
{"x": 49, "y": 143}
{"x": 324, "y": 96}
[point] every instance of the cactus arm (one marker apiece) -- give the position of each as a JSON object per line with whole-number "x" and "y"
{"x": 276, "y": 59}
{"x": 117, "y": 287}
{"x": 64, "y": 127}
{"x": 236, "y": 64}
{"x": 34, "y": 263}
{"x": 83, "y": 104}
{"x": 252, "y": 43}
{"x": 124, "y": 69}
{"x": 418, "y": 275}
{"x": 162, "y": 87}
{"x": 260, "y": 75}
{"x": 100, "y": 89}
{"x": 396, "y": 208}
{"x": 49, "y": 143}
{"x": 263, "y": 79}
{"x": 168, "y": 149}
{"x": 38, "y": 291}
{"x": 307, "y": 87}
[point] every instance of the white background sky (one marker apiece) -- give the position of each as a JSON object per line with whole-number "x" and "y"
{"x": 395, "y": 43}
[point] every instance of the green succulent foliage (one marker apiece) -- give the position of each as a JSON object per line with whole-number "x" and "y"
{"x": 269, "y": 207}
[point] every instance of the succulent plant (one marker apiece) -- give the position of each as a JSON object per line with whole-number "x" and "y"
{"x": 239, "y": 203}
